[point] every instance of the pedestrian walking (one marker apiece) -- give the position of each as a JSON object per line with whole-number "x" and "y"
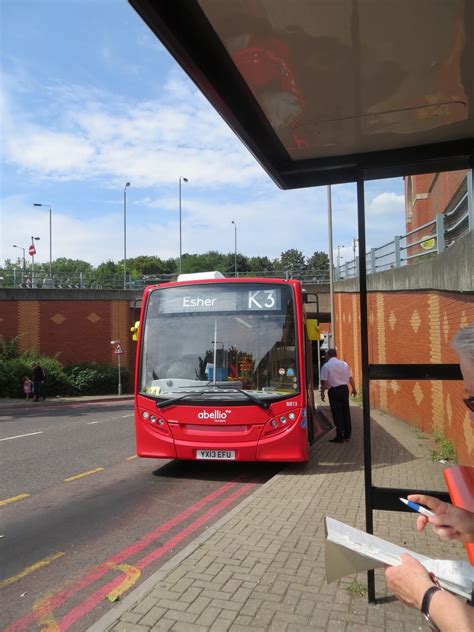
{"x": 27, "y": 386}
{"x": 336, "y": 375}
{"x": 39, "y": 378}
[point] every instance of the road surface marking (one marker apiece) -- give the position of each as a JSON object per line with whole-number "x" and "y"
{"x": 13, "y": 499}
{"x": 76, "y": 476}
{"x": 96, "y": 573}
{"x": 112, "y": 586}
{"x": 30, "y": 434}
{"x": 30, "y": 569}
{"x": 129, "y": 458}
{"x": 44, "y": 613}
{"x": 132, "y": 575}
{"x": 101, "y": 421}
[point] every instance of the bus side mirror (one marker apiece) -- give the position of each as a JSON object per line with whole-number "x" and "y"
{"x": 312, "y": 327}
{"x": 134, "y": 329}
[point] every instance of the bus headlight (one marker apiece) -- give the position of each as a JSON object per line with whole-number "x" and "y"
{"x": 145, "y": 414}
{"x": 279, "y": 424}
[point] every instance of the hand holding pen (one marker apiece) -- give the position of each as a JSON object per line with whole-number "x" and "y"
{"x": 448, "y": 522}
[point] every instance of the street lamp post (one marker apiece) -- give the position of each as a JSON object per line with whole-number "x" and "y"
{"x": 32, "y": 253}
{"x": 125, "y": 235}
{"x": 180, "y": 226}
{"x": 50, "y": 240}
{"x": 332, "y": 339}
{"x": 24, "y": 262}
{"x": 235, "y": 248}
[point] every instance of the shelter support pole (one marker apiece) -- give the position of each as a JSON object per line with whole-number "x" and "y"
{"x": 364, "y": 344}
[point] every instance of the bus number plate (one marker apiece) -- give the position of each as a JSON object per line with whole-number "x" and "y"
{"x": 216, "y": 455}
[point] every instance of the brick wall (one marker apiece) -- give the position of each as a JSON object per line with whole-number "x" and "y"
{"x": 73, "y": 330}
{"x": 426, "y": 196}
{"x": 412, "y": 327}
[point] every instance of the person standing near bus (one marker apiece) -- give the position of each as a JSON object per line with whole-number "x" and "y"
{"x": 38, "y": 381}
{"x": 336, "y": 376}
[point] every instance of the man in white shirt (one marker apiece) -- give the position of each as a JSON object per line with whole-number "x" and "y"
{"x": 335, "y": 377}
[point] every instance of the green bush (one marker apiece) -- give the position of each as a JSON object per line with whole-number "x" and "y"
{"x": 88, "y": 378}
{"x": 13, "y": 370}
{"x": 91, "y": 378}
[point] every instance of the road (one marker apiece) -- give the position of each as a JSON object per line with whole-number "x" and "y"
{"x": 84, "y": 520}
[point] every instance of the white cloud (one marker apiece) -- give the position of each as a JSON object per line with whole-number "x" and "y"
{"x": 387, "y": 203}
{"x": 95, "y": 134}
{"x": 50, "y": 153}
{"x": 103, "y": 141}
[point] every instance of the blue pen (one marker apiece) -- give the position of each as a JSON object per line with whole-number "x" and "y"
{"x": 418, "y": 508}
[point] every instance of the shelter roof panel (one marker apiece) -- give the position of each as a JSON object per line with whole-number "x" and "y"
{"x": 320, "y": 90}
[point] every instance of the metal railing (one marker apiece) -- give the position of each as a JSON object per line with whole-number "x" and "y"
{"x": 17, "y": 278}
{"x": 419, "y": 244}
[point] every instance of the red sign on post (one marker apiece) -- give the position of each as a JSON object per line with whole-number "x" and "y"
{"x": 32, "y": 250}
{"x": 118, "y": 350}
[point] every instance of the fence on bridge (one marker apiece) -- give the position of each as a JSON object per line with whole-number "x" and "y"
{"x": 419, "y": 244}
{"x": 16, "y": 278}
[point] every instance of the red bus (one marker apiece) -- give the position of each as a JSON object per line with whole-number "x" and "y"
{"x": 224, "y": 370}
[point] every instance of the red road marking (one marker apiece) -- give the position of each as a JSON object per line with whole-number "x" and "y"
{"x": 96, "y": 573}
{"x": 79, "y": 611}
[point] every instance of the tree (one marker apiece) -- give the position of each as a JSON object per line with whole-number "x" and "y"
{"x": 260, "y": 265}
{"x": 292, "y": 261}
{"x": 229, "y": 265}
{"x": 145, "y": 264}
{"x": 205, "y": 262}
{"x": 318, "y": 262}
{"x": 109, "y": 274}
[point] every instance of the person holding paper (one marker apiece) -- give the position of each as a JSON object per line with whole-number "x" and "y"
{"x": 409, "y": 581}
{"x": 412, "y": 584}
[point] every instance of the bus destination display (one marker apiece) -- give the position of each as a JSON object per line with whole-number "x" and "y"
{"x": 217, "y": 299}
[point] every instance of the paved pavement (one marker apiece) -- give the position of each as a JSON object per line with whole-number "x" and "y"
{"x": 261, "y": 567}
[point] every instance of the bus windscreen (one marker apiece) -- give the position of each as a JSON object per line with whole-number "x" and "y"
{"x": 220, "y": 339}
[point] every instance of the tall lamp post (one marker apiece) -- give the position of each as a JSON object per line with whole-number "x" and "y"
{"x": 127, "y": 184}
{"x": 180, "y": 226}
{"x": 24, "y": 262}
{"x": 332, "y": 339}
{"x": 50, "y": 239}
{"x": 235, "y": 248}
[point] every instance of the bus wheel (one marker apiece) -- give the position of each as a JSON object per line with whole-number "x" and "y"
{"x": 310, "y": 419}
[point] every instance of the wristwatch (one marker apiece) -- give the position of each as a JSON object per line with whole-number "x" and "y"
{"x": 425, "y": 606}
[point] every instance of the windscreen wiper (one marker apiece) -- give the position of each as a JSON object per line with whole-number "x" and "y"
{"x": 256, "y": 400}
{"x": 168, "y": 402}
{"x": 263, "y": 403}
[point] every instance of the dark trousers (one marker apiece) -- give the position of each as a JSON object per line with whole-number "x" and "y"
{"x": 38, "y": 390}
{"x": 341, "y": 414}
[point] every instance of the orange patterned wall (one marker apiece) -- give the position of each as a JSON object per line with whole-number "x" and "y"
{"x": 73, "y": 330}
{"x": 412, "y": 327}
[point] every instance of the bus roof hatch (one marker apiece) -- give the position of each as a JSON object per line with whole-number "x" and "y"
{"x": 200, "y": 276}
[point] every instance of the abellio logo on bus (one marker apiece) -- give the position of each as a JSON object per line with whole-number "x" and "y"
{"x": 215, "y": 415}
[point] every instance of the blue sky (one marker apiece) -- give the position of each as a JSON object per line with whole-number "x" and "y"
{"x": 91, "y": 100}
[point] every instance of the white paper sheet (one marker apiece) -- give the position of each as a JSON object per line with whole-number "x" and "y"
{"x": 349, "y": 551}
